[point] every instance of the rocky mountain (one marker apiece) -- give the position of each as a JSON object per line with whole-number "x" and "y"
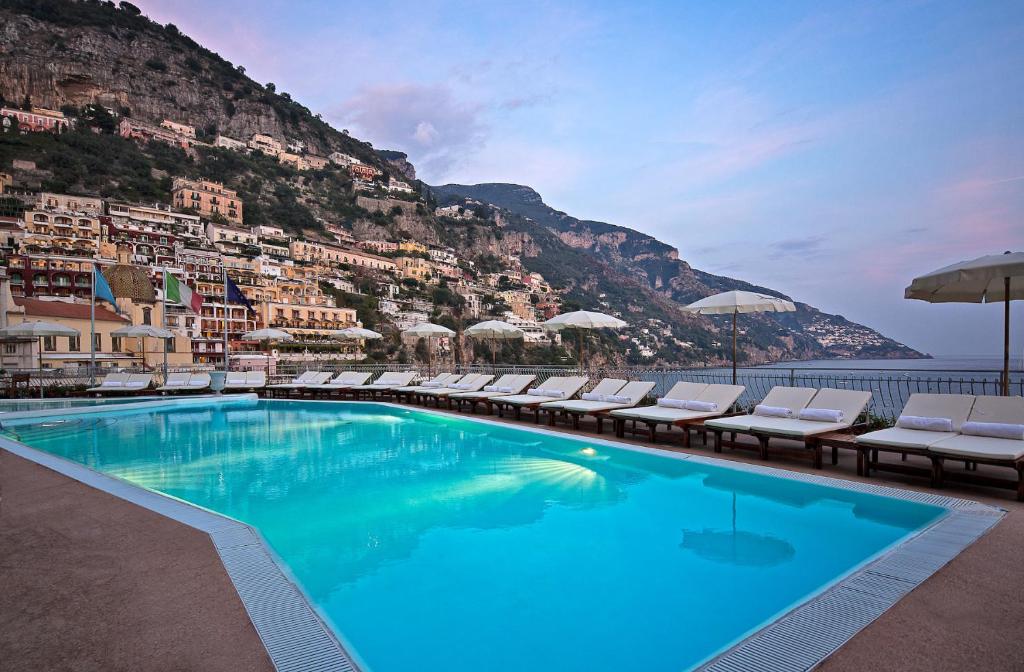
{"x": 61, "y": 53}
{"x": 79, "y": 55}
{"x": 807, "y": 333}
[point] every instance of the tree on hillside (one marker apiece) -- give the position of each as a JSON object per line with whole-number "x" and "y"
{"x": 26, "y": 103}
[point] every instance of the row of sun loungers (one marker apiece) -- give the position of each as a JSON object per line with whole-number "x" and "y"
{"x": 186, "y": 382}
{"x": 941, "y": 427}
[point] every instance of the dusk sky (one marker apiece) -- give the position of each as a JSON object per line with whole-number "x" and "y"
{"x": 831, "y": 151}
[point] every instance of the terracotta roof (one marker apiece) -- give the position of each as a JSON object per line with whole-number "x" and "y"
{"x": 74, "y": 311}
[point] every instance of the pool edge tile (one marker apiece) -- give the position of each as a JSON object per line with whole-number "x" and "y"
{"x": 294, "y": 635}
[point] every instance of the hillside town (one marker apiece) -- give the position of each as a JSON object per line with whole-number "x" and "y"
{"x": 304, "y": 285}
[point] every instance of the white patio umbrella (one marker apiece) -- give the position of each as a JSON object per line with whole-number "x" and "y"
{"x": 735, "y": 302}
{"x": 988, "y": 279}
{"x": 582, "y": 320}
{"x": 146, "y": 331}
{"x": 266, "y": 335}
{"x": 38, "y": 330}
{"x": 495, "y": 330}
{"x": 429, "y": 331}
{"x": 356, "y": 333}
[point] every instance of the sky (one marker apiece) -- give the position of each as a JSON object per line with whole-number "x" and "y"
{"x": 830, "y": 151}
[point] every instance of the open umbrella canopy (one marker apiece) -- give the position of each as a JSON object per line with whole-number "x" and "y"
{"x": 734, "y": 302}
{"x": 428, "y": 330}
{"x": 268, "y": 334}
{"x": 981, "y": 280}
{"x": 143, "y": 331}
{"x": 988, "y": 279}
{"x": 740, "y": 302}
{"x": 495, "y": 330}
{"x": 37, "y": 329}
{"x": 583, "y": 319}
{"x": 358, "y": 332}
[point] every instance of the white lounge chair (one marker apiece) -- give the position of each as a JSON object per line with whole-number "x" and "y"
{"x": 552, "y": 389}
{"x": 506, "y": 386}
{"x": 256, "y": 379}
{"x": 339, "y": 383}
{"x": 630, "y": 395}
{"x": 905, "y": 441}
{"x": 792, "y": 398}
{"x": 981, "y": 449}
{"x": 245, "y": 380}
{"x": 305, "y": 378}
{"x": 604, "y": 387}
{"x": 437, "y": 382}
{"x": 474, "y": 382}
{"x": 714, "y": 401}
{"x": 112, "y": 381}
{"x": 385, "y": 383}
{"x": 845, "y": 406}
{"x": 175, "y": 382}
{"x": 198, "y": 382}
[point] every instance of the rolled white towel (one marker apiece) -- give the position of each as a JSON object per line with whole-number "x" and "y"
{"x": 673, "y": 403}
{"x": 615, "y": 399}
{"x": 504, "y": 389}
{"x": 995, "y": 430}
{"x": 773, "y": 411}
{"x": 821, "y": 415}
{"x": 541, "y": 392}
{"x": 431, "y": 383}
{"x": 703, "y": 406}
{"x": 925, "y": 424}
{"x": 592, "y": 396}
{"x": 462, "y": 386}
{"x": 491, "y": 388}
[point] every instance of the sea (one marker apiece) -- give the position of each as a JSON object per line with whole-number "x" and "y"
{"x": 938, "y": 364}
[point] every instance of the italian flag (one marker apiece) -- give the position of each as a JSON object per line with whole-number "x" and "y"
{"x": 182, "y": 293}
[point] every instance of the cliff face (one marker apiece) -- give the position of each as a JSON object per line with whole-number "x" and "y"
{"x": 60, "y": 53}
{"x": 656, "y": 266}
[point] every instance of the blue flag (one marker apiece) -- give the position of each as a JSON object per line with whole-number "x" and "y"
{"x": 235, "y": 295}
{"x": 100, "y": 288}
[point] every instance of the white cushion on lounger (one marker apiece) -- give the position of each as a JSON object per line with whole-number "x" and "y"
{"x": 736, "y": 423}
{"x": 660, "y": 414}
{"x": 903, "y": 438}
{"x": 795, "y": 426}
{"x": 980, "y": 447}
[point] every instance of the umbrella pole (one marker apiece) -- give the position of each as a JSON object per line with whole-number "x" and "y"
{"x": 40, "y": 342}
{"x": 1006, "y": 337}
{"x": 734, "y": 347}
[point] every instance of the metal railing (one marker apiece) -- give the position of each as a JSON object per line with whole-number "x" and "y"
{"x": 889, "y": 388}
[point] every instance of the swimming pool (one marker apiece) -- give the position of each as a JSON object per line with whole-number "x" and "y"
{"x": 437, "y": 542}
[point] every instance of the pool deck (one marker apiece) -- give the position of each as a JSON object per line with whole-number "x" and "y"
{"x": 95, "y": 582}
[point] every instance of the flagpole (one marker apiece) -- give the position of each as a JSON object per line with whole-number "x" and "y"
{"x": 224, "y": 271}
{"x": 92, "y": 330}
{"x": 163, "y": 300}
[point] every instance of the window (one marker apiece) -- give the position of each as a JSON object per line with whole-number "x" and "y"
{"x": 50, "y": 343}
{"x": 115, "y": 343}
{"x": 74, "y": 343}
{"x": 98, "y": 342}
{"x": 147, "y": 316}
{"x": 170, "y": 344}
{"x": 10, "y": 349}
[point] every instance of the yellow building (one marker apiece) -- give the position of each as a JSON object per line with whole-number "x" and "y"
{"x": 416, "y": 268}
{"x": 306, "y": 320}
{"x": 325, "y": 253}
{"x": 412, "y": 246}
{"x": 207, "y": 197}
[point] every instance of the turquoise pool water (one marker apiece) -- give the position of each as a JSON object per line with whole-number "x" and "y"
{"x": 439, "y": 543}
